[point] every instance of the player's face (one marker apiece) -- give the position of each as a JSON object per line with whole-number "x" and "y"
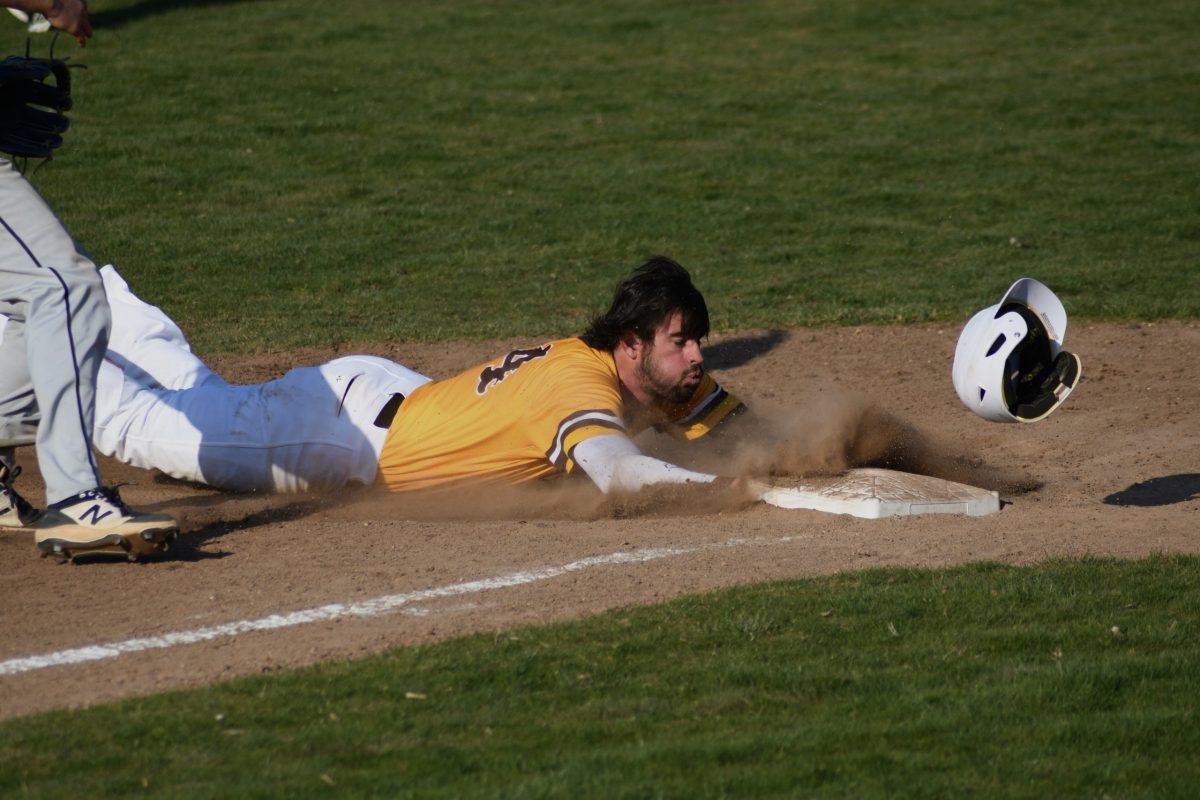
{"x": 671, "y": 365}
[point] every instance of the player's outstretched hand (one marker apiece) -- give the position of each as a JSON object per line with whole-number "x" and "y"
{"x": 71, "y": 16}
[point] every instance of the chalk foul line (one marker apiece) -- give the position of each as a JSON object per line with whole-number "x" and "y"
{"x": 367, "y": 608}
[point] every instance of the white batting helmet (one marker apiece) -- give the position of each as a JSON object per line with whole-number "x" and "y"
{"x": 1009, "y": 365}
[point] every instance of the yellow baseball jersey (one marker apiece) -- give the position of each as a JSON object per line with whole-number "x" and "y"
{"x": 518, "y": 418}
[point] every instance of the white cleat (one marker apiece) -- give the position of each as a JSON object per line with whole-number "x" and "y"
{"x": 97, "y": 521}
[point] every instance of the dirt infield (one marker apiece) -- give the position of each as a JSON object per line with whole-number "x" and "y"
{"x": 1115, "y": 472}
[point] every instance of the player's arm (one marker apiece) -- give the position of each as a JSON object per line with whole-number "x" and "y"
{"x": 584, "y": 404}
{"x": 615, "y": 464}
{"x": 69, "y": 16}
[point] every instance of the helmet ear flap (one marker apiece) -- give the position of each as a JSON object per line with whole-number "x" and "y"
{"x": 980, "y": 361}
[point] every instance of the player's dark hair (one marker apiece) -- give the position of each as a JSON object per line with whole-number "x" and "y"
{"x": 643, "y": 300}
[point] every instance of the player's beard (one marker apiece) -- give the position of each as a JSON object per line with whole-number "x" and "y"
{"x": 666, "y": 386}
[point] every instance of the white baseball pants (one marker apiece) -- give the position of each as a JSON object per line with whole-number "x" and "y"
{"x": 158, "y": 406}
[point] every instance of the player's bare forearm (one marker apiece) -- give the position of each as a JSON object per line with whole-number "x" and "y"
{"x": 69, "y": 16}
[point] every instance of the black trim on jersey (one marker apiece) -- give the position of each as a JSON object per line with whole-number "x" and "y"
{"x": 712, "y": 401}
{"x": 580, "y": 419}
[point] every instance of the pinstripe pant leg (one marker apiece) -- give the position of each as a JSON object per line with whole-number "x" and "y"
{"x": 54, "y": 299}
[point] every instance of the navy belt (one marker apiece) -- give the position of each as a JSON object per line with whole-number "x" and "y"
{"x": 388, "y": 412}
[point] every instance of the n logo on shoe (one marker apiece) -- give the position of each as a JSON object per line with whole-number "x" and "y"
{"x": 94, "y": 513}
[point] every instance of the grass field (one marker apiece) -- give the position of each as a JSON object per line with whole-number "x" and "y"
{"x": 282, "y": 173}
{"x": 289, "y": 172}
{"x": 1070, "y": 679}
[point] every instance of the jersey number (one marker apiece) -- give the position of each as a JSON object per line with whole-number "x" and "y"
{"x": 493, "y": 375}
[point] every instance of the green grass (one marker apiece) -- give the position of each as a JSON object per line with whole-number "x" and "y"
{"x": 291, "y": 172}
{"x": 288, "y": 172}
{"x": 976, "y": 681}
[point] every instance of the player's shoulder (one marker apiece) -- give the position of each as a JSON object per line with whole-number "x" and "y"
{"x": 575, "y": 380}
{"x": 556, "y": 352}
{"x": 573, "y": 356}
{"x": 546, "y": 368}
{"x": 575, "y": 347}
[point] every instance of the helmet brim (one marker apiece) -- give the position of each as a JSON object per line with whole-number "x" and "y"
{"x": 1037, "y": 297}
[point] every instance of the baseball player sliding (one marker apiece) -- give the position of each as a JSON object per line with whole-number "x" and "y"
{"x": 565, "y": 405}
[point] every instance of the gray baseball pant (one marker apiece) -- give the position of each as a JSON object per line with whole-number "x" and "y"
{"x": 53, "y": 342}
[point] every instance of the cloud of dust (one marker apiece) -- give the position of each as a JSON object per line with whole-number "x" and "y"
{"x": 836, "y": 431}
{"x": 821, "y": 435}
{"x": 571, "y": 499}
{"x": 568, "y": 500}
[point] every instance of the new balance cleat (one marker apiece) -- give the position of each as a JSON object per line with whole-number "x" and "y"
{"x": 16, "y": 514}
{"x": 97, "y": 521}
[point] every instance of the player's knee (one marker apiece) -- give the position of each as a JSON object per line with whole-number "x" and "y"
{"x": 79, "y": 297}
{"x": 89, "y": 304}
{"x": 86, "y": 284}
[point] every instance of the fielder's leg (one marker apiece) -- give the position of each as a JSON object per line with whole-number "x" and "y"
{"x": 54, "y": 290}
{"x": 18, "y": 418}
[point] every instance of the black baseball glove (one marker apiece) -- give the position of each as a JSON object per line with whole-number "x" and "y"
{"x": 35, "y": 94}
